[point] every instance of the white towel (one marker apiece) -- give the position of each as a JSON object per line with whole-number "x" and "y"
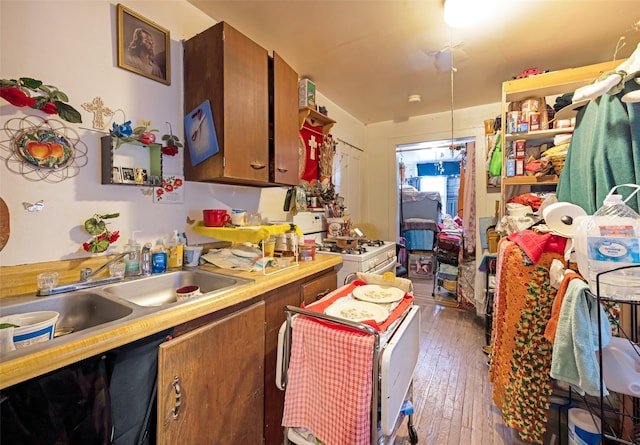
{"x": 574, "y": 358}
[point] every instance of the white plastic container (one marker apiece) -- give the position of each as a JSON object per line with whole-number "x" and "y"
{"x": 621, "y": 366}
{"x": 583, "y": 428}
{"x": 610, "y": 239}
{"x": 33, "y": 327}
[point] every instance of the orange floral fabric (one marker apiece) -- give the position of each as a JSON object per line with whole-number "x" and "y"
{"x": 520, "y": 355}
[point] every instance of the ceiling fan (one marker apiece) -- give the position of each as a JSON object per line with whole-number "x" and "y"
{"x": 448, "y": 58}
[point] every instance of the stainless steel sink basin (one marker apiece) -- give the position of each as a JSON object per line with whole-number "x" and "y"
{"x": 78, "y": 310}
{"x": 160, "y": 290}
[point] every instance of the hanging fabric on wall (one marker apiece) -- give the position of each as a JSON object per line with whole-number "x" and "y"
{"x": 469, "y": 206}
{"x": 312, "y": 138}
{"x": 461, "y": 189}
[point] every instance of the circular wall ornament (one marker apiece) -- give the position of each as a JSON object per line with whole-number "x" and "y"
{"x": 42, "y": 149}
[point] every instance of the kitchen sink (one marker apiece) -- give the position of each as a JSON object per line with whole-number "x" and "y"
{"x": 78, "y": 310}
{"x": 160, "y": 290}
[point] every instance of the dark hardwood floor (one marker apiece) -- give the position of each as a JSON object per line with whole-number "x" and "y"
{"x": 451, "y": 393}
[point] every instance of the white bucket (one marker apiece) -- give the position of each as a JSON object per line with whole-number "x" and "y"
{"x": 583, "y": 428}
{"x": 33, "y": 327}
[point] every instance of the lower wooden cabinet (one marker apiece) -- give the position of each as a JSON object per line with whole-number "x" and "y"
{"x": 306, "y": 291}
{"x": 318, "y": 287}
{"x": 211, "y": 382}
{"x": 221, "y": 369}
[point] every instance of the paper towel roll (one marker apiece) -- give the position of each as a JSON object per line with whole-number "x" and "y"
{"x": 560, "y": 218}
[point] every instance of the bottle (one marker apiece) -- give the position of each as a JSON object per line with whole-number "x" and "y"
{"x": 158, "y": 257}
{"x": 175, "y": 252}
{"x": 613, "y": 241}
{"x": 132, "y": 261}
{"x": 145, "y": 260}
{"x": 291, "y": 241}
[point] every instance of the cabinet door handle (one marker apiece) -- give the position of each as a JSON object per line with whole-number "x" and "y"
{"x": 283, "y": 169}
{"x": 178, "y": 390}
{"x": 257, "y": 165}
{"x": 322, "y": 294}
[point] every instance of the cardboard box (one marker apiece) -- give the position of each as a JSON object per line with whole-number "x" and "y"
{"x": 306, "y": 94}
{"x": 520, "y": 166}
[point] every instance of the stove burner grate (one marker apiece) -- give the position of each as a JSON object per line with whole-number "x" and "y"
{"x": 332, "y": 247}
{"x": 371, "y": 243}
{"x": 364, "y": 246}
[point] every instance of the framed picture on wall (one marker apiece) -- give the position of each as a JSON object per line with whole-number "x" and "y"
{"x": 143, "y": 46}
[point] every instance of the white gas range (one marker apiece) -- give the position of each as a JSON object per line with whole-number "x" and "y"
{"x": 369, "y": 256}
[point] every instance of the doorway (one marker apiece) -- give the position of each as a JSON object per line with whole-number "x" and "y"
{"x": 433, "y": 167}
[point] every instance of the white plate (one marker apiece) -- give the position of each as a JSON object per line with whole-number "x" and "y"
{"x": 246, "y": 252}
{"x": 378, "y": 294}
{"x": 357, "y": 311}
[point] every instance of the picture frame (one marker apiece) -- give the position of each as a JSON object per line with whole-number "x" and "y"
{"x": 116, "y": 175}
{"x": 421, "y": 265}
{"x": 143, "y": 46}
{"x": 128, "y": 175}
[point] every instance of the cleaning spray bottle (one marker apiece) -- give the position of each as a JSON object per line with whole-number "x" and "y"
{"x": 132, "y": 261}
{"x": 175, "y": 252}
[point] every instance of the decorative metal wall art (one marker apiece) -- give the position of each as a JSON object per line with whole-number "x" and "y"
{"x": 42, "y": 149}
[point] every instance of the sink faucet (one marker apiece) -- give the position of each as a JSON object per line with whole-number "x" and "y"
{"x": 87, "y": 274}
{"x": 86, "y": 279}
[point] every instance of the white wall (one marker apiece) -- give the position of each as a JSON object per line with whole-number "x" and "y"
{"x": 75, "y": 50}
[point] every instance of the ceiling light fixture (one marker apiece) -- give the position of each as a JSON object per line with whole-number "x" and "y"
{"x": 462, "y": 13}
{"x": 414, "y": 98}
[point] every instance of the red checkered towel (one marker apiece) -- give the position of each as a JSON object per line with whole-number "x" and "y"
{"x": 329, "y": 383}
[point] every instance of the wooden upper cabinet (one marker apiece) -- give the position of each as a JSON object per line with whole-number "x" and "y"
{"x": 285, "y": 131}
{"x": 232, "y": 72}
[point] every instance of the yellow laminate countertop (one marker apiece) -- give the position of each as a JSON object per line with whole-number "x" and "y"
{"x": 45, "y": 360}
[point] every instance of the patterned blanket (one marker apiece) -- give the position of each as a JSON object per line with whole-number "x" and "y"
{"x": 520, "y": 354}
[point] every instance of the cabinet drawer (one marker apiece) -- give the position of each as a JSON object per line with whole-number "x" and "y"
{"x": 317, "y": 288}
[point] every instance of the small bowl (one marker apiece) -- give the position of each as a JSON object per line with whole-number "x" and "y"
{"x": 188, "y": 292}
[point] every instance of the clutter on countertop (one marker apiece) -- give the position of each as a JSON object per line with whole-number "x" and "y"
{"x": 239, "y": 258}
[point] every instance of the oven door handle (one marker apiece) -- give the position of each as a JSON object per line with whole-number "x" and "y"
{"x": 350, "y": 278}
{"x": 387, "y": 266}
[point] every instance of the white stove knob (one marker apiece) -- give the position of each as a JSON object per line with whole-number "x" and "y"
{"x": 390, "y": 254}
{"x": 372, "y": 264}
